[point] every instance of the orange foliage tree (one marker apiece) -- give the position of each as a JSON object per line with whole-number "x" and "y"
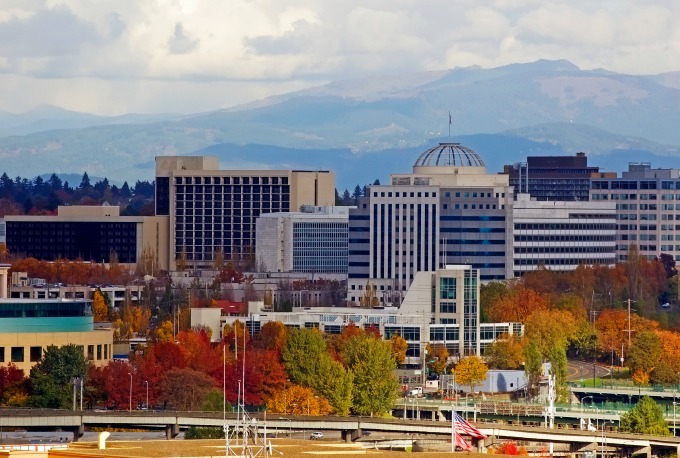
{"x": 298, "y": 400}
{"x": 517, "y": 305}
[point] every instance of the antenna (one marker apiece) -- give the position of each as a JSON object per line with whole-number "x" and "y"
{"x": 450, "y": 122}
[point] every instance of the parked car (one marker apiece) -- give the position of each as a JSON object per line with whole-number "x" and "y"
{"x": 316, "y": 435}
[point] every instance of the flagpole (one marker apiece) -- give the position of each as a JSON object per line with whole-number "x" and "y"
{"x": 449, "y": 123}
{"x": 453, "y": 429}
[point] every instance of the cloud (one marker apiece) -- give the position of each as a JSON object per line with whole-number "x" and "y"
{"x": 180, "y": 43}
{"x": 231, "y": 51}
{"x": 47, "y": 33}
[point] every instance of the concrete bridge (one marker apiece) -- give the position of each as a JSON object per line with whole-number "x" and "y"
{"x": 606, "y": 442}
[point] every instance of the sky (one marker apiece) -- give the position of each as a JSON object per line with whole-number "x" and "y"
{"x": 113, "y": 57}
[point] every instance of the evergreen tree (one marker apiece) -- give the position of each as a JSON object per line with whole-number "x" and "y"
{"x": 85, "y": 182}
{"x": 356, "y": 194}
{"x": 51, "y": 377}
{"x": 645, "y": 418}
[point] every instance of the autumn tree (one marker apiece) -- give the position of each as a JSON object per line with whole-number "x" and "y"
{"x": 186, "y": 389}
{"x": 533, "y": 365}
{"x": 10, "y": 376}
{"x": 438, "y": 358}
{"x": 517, "y": 305}
{"x": 298, "y": 400}
{"x": 99, "y": 308}
{"x": 506, "y": 352}
{"x": 470, "y": 371}
{"x": 399, "y": 347}
{"x": 549, "y": 328}
{"x": 273, "y": 335}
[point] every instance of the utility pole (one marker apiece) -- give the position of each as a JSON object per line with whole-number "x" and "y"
{"x": 629, "y": 330}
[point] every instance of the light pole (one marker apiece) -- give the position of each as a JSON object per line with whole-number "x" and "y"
{"x": 583, "y": 399}
{"x": 130, "y": 374}
{"x": 604, "y": 436}
{"x": 147, "y": 394}
{"x": 674, "y": 404}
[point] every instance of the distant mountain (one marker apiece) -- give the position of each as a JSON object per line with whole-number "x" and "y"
{"x": 48, "y": 117}
{"x": 380, "y": 124}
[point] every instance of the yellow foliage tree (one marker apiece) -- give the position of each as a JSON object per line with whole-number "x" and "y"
{"x": 164, "y": 332}
{"x": 99, "y": 308}
{"x": 298, "y": 400}
{"x": 550, "y": 328}
{"x": 640, "y": 378}
{"x": 470, "y": 371}
{"x": 399, "y": 347}
{"x": 439, "y": 355}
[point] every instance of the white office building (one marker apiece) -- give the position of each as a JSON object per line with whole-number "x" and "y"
{"x": 562, "y": 235}
{"x": 313, "y": 240}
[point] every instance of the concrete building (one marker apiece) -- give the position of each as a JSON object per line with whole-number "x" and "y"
{"x": 90, "y": 233}
{"x": 28, "y": 327}
{"x": 212, "y": 209}
{"x": 553, "y": 178}
{"x": 560, "y": 235}
{"x": 24, "y": 287}
{"x": 441, "y": 307}
{"x": 647, "y": 209}
{"x": 448, "y": 211}
{"x": 313, "y": 240}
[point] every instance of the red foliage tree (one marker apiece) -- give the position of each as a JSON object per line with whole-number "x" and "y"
{"x": 9, "y": 375}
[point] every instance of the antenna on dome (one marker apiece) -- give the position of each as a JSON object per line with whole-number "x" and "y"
{"x": 450, "y": 122}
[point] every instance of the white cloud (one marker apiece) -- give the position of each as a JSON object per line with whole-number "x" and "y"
{"x": 114, "y": 56}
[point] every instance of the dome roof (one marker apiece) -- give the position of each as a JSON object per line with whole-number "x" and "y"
{"x": 449, "y": 155}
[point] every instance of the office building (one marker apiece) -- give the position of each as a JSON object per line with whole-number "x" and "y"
{"x": 441, "y": 308}
{"x": 553, "y": 178}
{"x": 28, "y": 327}
{"x": 560, "y": 235}
{"x": 313, "y": 240}
{"x": 448, "y": 211}
{"x": 647, "y": 209}
{"x": 213, "y": 210}
{"x": 89, "y": 233}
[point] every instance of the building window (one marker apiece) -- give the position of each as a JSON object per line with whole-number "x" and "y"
{"x": 17, "y": 354}
{"x": 90, "y": 352}
{"x": 99, "y": 352}
{"x": 2, "y": 354}
{"x": 447, "y": 288}
{"x": 36, "y": 354}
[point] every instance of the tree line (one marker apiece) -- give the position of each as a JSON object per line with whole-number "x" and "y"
{"x": 21, "y": 196}
{"x": 299, "y": 371}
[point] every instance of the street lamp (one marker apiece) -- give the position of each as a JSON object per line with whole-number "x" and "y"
{"x": 604, "y": 436}
{"x": 130, "y": 374}
{"x": 674, "y": 432}
{"x": 583, "y": 399}
{"x": 147, "y": 394}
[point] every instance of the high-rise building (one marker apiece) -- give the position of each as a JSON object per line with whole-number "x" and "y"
{"x": 313, "y": 241}
{"x": 562, "y": 235}
{"x": 214, "y": 210}
{"x": 552, "y": 178}
{"x": 647, "y": 209}
{"x": 448, "y": 211}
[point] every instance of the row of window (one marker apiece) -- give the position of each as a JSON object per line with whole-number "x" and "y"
{"x": 563, "y": 249}
{"x": 230, "y": 180}
{"x": 564, "y": 238}
{"x": 18, "y": 354}
{"x": 565, "y": 226}
{"x": 562, "y": 262}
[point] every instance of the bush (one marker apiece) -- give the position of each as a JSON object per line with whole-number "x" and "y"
{"x": 195, "y": 432}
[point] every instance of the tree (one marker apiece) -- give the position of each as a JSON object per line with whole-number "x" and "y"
{"x": 549, "y": 328}
{"x": 372, "y": 365}
{"x": 506, "y": 352}
{"x": 470, "y": 371}
{"x": 51, "y": 376}
{"x": 99, "y": 307}
{"x": 214, "y": 401}
{"x": 85, "y": 182}
{"x": 533, "y": 364}
{"x": 9, "y": 375}
{"x": 645, "y": 353}
{"x": 645, "y": 418}
{"x": 273, "y": 336}
{"x": 186, "y": 389}
{"x": 298, "y": 400}
{"x": 517, "y": 305}
{"x": 399, "y": 347}
{"x": 438, "y": 356}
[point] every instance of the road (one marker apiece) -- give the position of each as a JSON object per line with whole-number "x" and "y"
{"x": 581, "y": 370}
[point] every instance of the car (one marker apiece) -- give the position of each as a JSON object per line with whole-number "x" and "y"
{"x": 666, "y": 305}
{"x": 316, "y": 435}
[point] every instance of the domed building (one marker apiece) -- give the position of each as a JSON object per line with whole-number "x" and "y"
{"x": 449, "y": 210}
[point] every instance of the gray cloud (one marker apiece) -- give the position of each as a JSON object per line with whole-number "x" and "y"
{"x": 181, "y": 43}
{"x": 48, "y": 33}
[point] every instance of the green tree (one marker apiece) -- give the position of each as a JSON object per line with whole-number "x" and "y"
{"x": 308, "y": 364}
{"x": 471, "y": 371}
{"x": 645, "y": 418}
{"x": 557, "y": 357}
{"x": 372, "y": 365}
{"x": 214, "y": 401}
{"x": 533, "y": 365}
{"x": 488, "y": 295}
{"x": 645, "y": 353}
{"x": 51, "y": 376}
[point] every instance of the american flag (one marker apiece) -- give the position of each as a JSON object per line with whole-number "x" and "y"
{"x": 459, "y": 443}
{"x": 465, "y": 427}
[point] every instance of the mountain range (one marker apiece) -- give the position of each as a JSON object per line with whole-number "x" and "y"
{"x": 366, "y": 129}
